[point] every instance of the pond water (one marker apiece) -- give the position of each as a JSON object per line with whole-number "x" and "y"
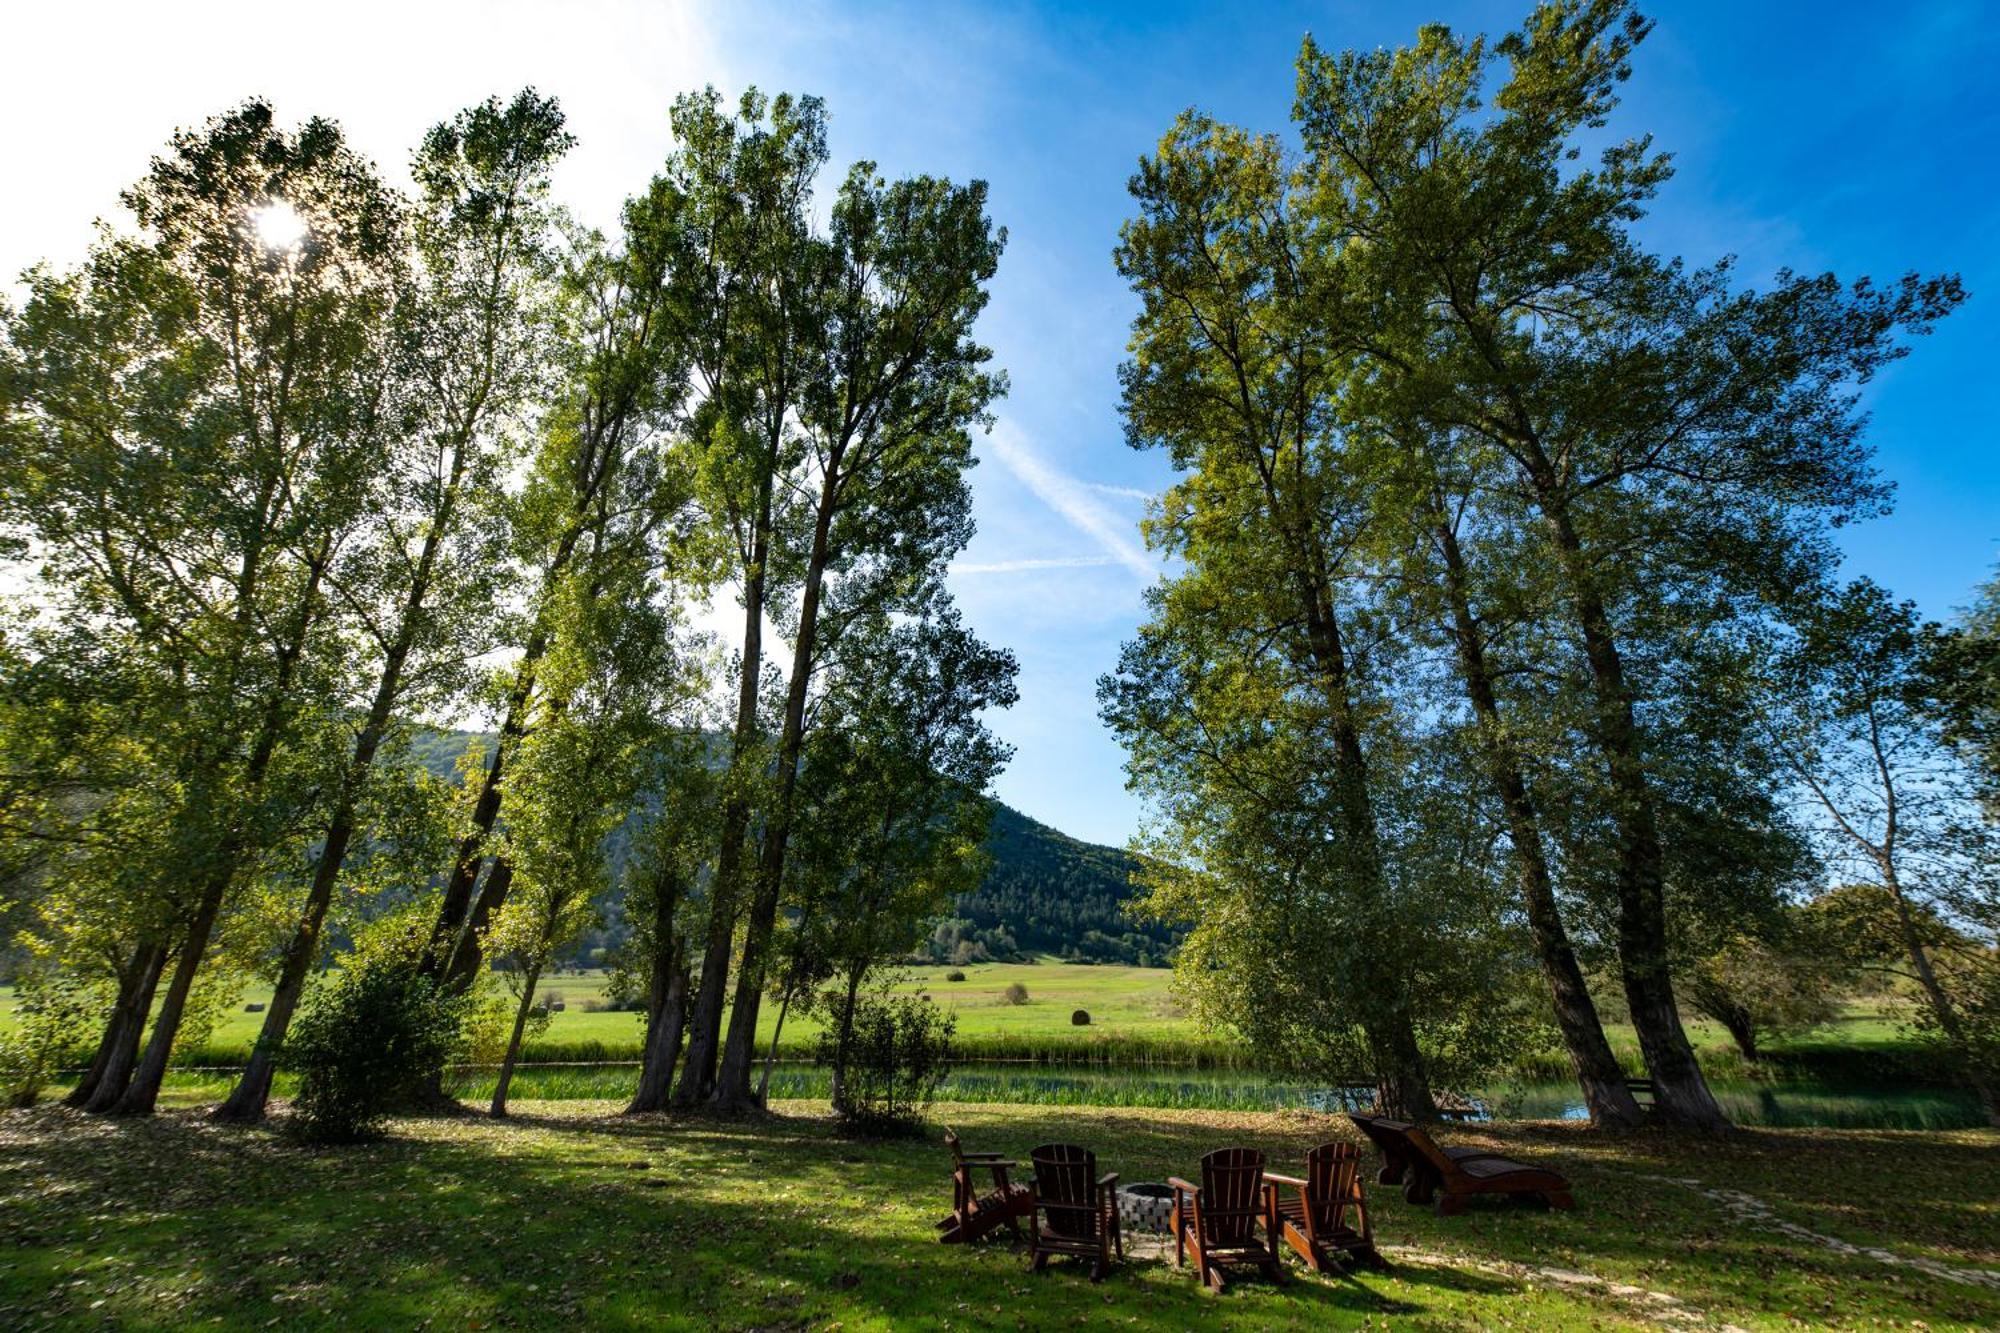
{"x": 1775, "y": 1104}
{"x": 1769, "y": 1104}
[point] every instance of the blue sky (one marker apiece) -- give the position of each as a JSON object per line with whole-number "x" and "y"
{"x": 1856, "y": 138}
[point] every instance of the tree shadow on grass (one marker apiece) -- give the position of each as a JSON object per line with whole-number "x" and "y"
{"x": 543, "y": 1221}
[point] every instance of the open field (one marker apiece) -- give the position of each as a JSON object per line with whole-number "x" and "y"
{"x": 1133, "y": 1018}
{"x": 567, "y": 1218}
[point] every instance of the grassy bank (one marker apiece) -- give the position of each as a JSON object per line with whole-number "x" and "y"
{"x": 1135, "y": 1023}
{"x": 566, "y": 1218}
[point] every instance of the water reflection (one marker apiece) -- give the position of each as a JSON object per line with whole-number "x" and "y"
{"x": 1777, "y": 1104}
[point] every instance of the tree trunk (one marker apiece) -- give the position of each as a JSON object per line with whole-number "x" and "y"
{"x": 253, "y": 1091}
{"x": 111, "y": 1067}
{"x": 666, "y": 998}
{"x": 732, "y": 1085}
{"x": 1392, "y": 1033}
{"x": 130, "y": 977}
{"x": 461, "y": 967}
{"x": 143, "y": 1092}
{"x": 1741, "y": 1030}
{"x": 698, "y": 1073}
{"x": 1942, "y": 1009}
{"x": 1681, "y": 1094}
{"x": 1598, "y": 1073}
{"x": 843, "y": 1043}
{"x": 663, "y": 1043}
{"x": 247, "y": 1101}
{"x": 771, "y": 1056}
{"x": 448, "y": 930}
{"x": 514, "y": 1042}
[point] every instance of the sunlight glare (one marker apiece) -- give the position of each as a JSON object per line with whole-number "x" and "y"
{"x": 279, "y": 226}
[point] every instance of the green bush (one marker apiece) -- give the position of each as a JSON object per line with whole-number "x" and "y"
{"x": 364, "y": 1046}
{"x": 900, "y": 1051}
{"x": 57, "y": 1017}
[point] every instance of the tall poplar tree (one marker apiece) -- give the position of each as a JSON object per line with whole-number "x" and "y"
{"x": 472, "y": 355}
{"x": 193, "y": 420}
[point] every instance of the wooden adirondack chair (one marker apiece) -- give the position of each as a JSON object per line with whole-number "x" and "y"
{"x": 1075, "y": 1210}
{"x": 1455, "y": 1174}
{"x": 973, "y": 1213}
{"x": 1219, "y": 1220}
{"x": 1324, "y": 1216}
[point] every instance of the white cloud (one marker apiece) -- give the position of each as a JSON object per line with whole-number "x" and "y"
{"x": 1020, "y": 566}
{"x": 1122, "y": 492}
{"x": 1073, "y": 500}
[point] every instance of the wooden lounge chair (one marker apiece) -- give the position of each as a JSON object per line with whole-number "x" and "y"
{"x": 973, "y": 1213}
{"x": 1454, "y": 1175}
{"x": 1401, "y": 1163}
{"x": 1324, "y": 1216}
{"x": 1074, "y": 1210}
{"x": 1219, "y": 1220}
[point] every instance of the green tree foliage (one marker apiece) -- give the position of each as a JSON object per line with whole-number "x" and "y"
{"x": 1468, "y": 402}
{"x": 1759, "y": 989}
{"x": 472, "y": 337}
{"x": 1898, "y": 816}
{"x": 1047, "y": 893}
{"x": 612, "y": 678}
{"x": 894, "y": 813}
{"x": 192, "y": 420}
{"x": 54, "y": 1013}
{"x": 835, "y": 425}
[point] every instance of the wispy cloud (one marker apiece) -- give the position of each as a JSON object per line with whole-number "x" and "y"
{"x": 1051, "y": 562}
{"x": 1073, "y": 500}
{"x": 1123, "y": 492}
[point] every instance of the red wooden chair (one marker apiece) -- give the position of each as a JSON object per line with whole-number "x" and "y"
{"x": 975, "y": 1213}
{"x": 1075, "y": 1210}
{"x": 1324, "y": 1216}
{"x": 1219, "y": 1220}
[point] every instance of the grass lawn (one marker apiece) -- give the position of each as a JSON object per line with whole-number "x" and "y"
{"x": 566, "y": 1217}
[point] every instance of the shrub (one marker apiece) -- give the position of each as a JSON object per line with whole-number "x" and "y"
{"x": 1015, "y": 993}
{"x": 900, "y": 1050}
{"x": 364, "y": 1045}
{"x": 1081, "y": 1018}
{"x": 56, "y": 1018}
{"x": 954, "y": 975}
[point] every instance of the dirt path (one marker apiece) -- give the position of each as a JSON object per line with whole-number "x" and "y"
{"x": 1750, "y": 1211}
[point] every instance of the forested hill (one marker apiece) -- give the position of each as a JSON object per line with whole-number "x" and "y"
{"x": 1045, "y": 893}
